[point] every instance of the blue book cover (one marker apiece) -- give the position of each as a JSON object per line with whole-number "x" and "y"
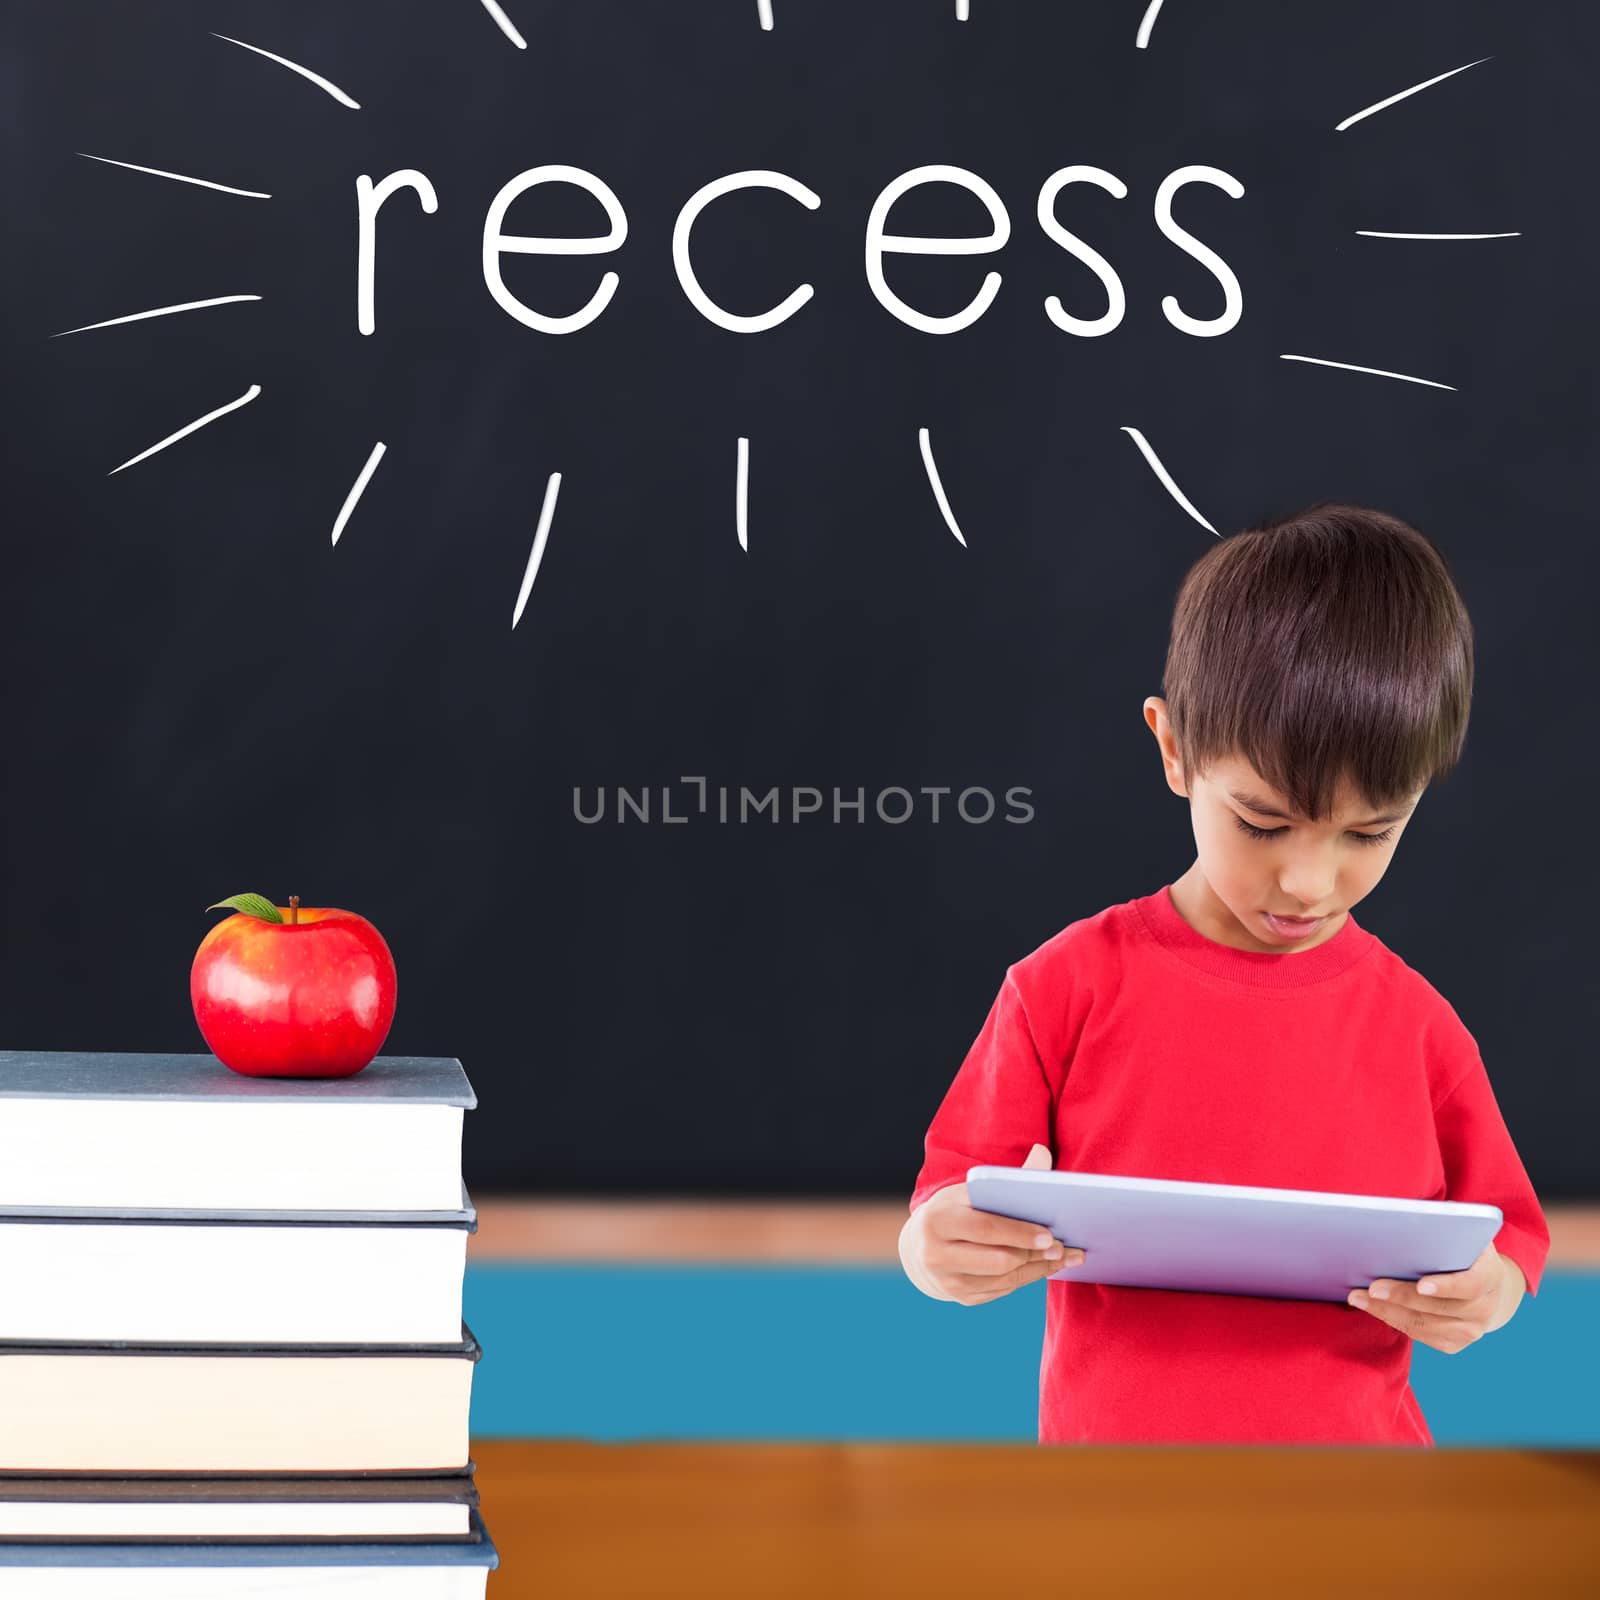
{"x": 466, "y": 1348}
{"x": 457, "y": 1489}
{"x": 119, "y": 1075}
{"x": 477, "y": 1551}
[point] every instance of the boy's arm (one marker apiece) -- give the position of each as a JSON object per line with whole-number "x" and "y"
{"x": 1000, "y": 1103}
{"x": 1449, "y": 1309}
{"x": 1481, "y": 1164}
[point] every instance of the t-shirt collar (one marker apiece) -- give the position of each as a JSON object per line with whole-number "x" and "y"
{"x": 1262, "y": 969}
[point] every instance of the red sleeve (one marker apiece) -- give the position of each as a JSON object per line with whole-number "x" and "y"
{"x": 1481, "y": 1165}
{"x": 998, "y": 1106}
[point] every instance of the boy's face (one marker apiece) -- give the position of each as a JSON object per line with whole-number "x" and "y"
{"x": 1301, "y": 868}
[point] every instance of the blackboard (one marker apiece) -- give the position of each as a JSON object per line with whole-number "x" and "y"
{"x": 848, "y": 551}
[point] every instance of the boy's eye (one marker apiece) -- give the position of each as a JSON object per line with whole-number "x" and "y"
{"x": 1272, "y": 833}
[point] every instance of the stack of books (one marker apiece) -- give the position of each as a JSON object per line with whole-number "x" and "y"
{"x": 231, "y": 1340}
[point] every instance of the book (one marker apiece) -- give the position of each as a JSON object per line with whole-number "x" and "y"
{"x": 262, "y": 1277}
{"x": 92, "y": 1128}
{"x": 150, "y": 1570}
{"x": 250, "y": 1410}
{"x": 128, "y": 1509}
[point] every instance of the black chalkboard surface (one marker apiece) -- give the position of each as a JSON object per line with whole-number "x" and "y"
{"x": 363, "y": 548}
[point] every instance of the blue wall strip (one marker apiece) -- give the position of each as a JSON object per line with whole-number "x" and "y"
{"x": 618, "y": 1351}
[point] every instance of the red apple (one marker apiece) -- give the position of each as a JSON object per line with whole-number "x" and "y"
{"x": 294, "y": 991}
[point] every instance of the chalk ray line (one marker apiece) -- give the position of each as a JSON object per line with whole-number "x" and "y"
{"x": 356, "y": 489}
{"x": 199, "y": 422}
{"x": 1373, "y": 233}
{"x": 741, "y": 495}
{"x": 1415, "y": 88}
{"x": 536, "y": 555}
{"x": 249, "y": 194}
{"x": 159, "y": 311}
{"x": 1166, "y": 477}
{"x": 938, "y": 488}
{"x": 1378, "y": 372}
{"x": 764, "y": 13}
{"x": 504, "y": 23}
{"x": 1146, "y": 23}
{"x": 294, "y": 66}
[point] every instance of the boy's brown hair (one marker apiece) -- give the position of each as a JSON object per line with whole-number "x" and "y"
{"x": 1330, "y": 643}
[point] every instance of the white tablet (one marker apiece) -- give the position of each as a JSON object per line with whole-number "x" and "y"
{"x": 1287, "y": 1244}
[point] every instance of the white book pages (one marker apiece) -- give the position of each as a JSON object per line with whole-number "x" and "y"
{"x": 211, "y": 1283}
{"x": 208, "y": 1519}
{"x": 246, "y": 1583}
{"x": 147, "y": 1412}
{"x": 233, "y": 1154}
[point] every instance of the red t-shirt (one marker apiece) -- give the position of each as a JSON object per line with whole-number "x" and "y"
{"x": 1130, "y": 1043}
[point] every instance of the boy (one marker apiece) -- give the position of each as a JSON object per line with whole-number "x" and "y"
{"x": 1319, "y": 676}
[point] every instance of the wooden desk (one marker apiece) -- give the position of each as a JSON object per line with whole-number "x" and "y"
{"x": 835, "y": 1521}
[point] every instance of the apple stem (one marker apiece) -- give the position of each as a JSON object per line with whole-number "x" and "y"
{"x": 294, "y": 909}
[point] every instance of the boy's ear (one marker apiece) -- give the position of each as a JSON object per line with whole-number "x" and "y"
{"x": 1155, "y": 715}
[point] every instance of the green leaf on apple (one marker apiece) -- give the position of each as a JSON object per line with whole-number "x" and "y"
{"x": 253, "y": 905}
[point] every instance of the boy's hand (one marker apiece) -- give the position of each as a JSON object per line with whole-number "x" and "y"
{"x": 953, "y": 1252}
{"x": 1448, "y": 1310}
